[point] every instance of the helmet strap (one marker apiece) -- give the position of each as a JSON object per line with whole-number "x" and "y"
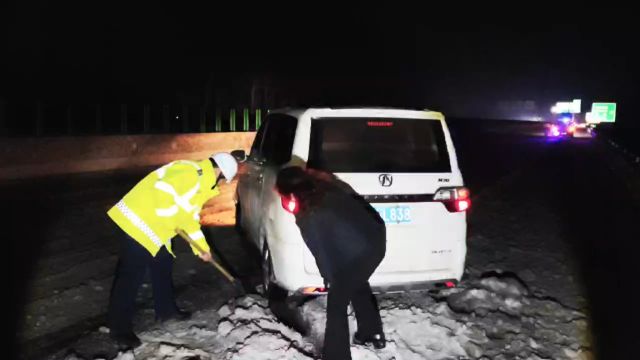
{"x": 218, "y": 180}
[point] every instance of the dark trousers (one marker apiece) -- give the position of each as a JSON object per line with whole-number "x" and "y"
{"x": 350, "y": 286}
{"x": 132, "y": 266}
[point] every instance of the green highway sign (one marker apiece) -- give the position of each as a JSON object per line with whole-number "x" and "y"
{"x": 602, "y": 112}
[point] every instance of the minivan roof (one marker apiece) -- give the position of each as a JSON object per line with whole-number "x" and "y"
{"x": 404, "y": 112}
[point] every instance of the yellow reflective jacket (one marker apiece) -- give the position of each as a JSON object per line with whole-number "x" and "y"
{"x": 167, "y": 199}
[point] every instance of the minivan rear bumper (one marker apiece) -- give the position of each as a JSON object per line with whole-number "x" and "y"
{"x": 415, "y": 286}
{"x": 389, "y": 288}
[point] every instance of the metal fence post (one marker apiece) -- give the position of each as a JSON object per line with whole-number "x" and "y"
{"x": 258, "y": 118}
{"x": 245, "y": 122}
{"x": 232, "y": 120}
{"x": 218, "y": 121}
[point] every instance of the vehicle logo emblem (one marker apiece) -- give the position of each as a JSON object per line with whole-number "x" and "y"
{"x": 385, "y": 180}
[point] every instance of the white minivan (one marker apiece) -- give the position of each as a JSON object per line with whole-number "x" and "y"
{"x": 402, "y": 162}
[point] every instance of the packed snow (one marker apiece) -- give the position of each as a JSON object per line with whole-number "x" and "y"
{"x": 505, "y": 308}
{"x": 522, "y": 297}
{"x": 488, "y": 318}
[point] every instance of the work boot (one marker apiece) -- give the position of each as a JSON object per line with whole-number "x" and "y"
{"x": 125, "y": 340}
{"x": 180, "y": 315}
{"x": 377, "y": 340}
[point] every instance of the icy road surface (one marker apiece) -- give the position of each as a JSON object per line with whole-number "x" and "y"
{"x": 543, "y": 271}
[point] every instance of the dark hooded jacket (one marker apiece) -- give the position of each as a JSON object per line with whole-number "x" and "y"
{"x": 342, "y": 229}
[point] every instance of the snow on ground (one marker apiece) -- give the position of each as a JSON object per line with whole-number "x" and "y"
{"x": 521, "y": 298}
{"x": 490, "y": 318}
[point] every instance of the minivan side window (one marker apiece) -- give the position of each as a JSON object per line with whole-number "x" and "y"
{"x": 256, "y": 147}
{"x": 278, "y": 139}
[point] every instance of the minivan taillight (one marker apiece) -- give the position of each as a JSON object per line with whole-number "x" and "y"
{"x": 290, "y": 203}
{"x": 455, "y": 199}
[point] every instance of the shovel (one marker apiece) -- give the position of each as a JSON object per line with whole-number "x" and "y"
{"x": 237, "y": 284}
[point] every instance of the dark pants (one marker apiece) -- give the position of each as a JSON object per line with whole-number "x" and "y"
{"x": 132, "y": 266}
{"x": 351, "y": 285}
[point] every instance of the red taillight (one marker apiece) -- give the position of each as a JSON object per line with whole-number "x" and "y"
{"x": 290, "y": 203}
{"x": 463, "y": 193}
{"x": 462, "y": 205}
{"x": 449, "y": 284}
{"x": 455, "y": 199}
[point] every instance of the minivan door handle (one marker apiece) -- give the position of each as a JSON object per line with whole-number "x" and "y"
{"x": 256, "y": 161}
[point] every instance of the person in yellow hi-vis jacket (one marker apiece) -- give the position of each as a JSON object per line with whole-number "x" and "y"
{"x": 167, "y": 199}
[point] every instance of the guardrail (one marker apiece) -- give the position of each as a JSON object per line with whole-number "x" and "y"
{"x": 40, "y": 119}
{"x": 31, "y": 157}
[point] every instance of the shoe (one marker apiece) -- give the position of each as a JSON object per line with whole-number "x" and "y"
{"x": 377, "y": 340}
{"x": 180, "y": 315}
{"x": 125, "y": 340}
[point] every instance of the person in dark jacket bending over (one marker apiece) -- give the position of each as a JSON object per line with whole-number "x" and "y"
{"x": 347, "y": 237}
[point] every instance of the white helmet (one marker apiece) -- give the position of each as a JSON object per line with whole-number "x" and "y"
{"x": 227, "y": 164}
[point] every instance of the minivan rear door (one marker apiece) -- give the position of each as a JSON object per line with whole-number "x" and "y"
{"x": 397, "y": 164}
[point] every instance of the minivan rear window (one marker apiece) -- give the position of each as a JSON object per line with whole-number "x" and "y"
{"x": 378, "y": 145}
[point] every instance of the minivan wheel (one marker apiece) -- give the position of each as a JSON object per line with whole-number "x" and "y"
{"x": 281, "y": 304}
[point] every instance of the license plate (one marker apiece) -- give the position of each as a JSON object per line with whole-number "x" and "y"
{"x": 394, "y": 214}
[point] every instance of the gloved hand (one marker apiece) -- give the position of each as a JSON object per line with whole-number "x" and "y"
{"x": 206, "y": 257}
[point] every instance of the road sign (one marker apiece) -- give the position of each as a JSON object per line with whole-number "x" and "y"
{"x": 572, "y": 107}
{"x": 602, "y": 112}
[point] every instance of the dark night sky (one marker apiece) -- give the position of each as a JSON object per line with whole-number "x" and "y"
{"x": 109, "y": 52}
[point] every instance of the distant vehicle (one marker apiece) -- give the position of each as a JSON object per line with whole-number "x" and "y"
{"x": 583, "y": 131}
{"x": 564, "y": 125}
{"x": 403, "y": 162}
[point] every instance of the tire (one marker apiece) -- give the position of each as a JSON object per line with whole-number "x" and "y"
{"x": 253, "y": 280}
{"x": 286, "y": 308}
